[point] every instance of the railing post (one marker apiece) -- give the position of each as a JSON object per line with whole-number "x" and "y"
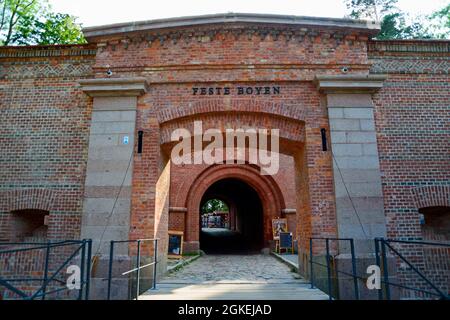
{"x": 155, "y": 265}
{"x": 83, "y": 253}
{"x": 355, "y": 278}
{"x": 111, "y": 255}
{"x": 311, "y": 262}
{"x": 47, "y": 256}
{"x": 138, "y": 272}
{"x": 328, "y": 268}
{"x": 88, "y": 269}
{"x": 378, "y": 262}
{"x": 385, "y": 270}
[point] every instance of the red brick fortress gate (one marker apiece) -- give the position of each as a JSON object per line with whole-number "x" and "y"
{"x": 323, "y": 83}
{"x": 230, "y": 75}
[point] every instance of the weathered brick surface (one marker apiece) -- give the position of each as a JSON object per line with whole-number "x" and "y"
{"x": 171, "y": 103}
{"x": 44, "y": 134}
{"x": 412, "y": 118}
{"x": 45, "y": 121}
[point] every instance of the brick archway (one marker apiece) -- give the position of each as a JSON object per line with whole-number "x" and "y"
{"x": 20, "y": 199}
{"x": 291, "y": 131}
{"x": 268, "y": 191}
{"x": 431, "y": 196}
{"x": 285, "y": 109}
{"x": 287, "y": 116}
{"x": 231, "y": 114}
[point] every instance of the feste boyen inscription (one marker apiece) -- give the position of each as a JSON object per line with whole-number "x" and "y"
{"x": 225, "y": 91}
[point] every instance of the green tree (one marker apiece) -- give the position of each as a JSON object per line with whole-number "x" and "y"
{"x": 57, "y": 28}
{"x": 370, "y": 9}
{"x": 443, "y": 14}
{"x": 13, "y": 12}
{"x": 394, "y": 26}
{"x": 26, "y": 22}
{"x": 214, "y": 205}
{"x": 440, "y": 23}
{"x": 394, "y": 23}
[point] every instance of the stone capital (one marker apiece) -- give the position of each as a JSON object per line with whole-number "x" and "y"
{"x": 114, "y": 87}
{"x": 349, "y": 83}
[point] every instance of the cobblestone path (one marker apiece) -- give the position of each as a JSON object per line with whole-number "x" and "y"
{"x": 233, "y": 269}
{"x": 240, "y": 277}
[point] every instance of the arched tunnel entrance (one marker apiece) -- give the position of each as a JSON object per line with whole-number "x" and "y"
{"x": 240, "y": 229}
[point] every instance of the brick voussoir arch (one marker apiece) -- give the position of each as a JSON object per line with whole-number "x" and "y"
{"x": 33, "y": 198}
{"x": 287, "y": 109}
{"x": 290, "y": 130}
{"x": 431, "y": 196}
{"x": 267, "y": 189}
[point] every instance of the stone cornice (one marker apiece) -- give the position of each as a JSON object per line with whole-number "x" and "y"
{"x": 255, "y": 21}
{"x": 349, "y": 83}
{"x": 207, "y": 34}
{"x": 114, "y": 87}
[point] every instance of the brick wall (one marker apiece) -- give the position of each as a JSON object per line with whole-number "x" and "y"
{"x": 45, "y": 120}
{"x": 230, "y": 57}
{"x": 44, "y": 134}
{"x": 43, "y": 146}
{"x": 412, "y": 115}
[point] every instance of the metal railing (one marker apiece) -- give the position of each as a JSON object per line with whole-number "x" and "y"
{"x": 328, "y": 264}
{"x": 50, "y": 270}
{"x": 138, "y": 266}
{"x": 383, "y": 251}
{"x": 385, "y": 247}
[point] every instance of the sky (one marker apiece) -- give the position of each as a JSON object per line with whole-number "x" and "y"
{"x": 100, "y": 12}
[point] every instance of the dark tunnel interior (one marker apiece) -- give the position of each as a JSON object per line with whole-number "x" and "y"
{"x": 244, "y": 232}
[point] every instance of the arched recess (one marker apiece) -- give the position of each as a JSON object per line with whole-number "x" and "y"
{"x": 40, "y": 199}
{"x": 227, "y": 114}
{"x": 291, "y": 131}
{"x": 286, "y": 115}
{"x": 433, "y": 203}
{"x": 25, "y": 213}
{"x": 287, "y": 109}
{"x": 431, "y": 196}
{"x": 270, "y": 194}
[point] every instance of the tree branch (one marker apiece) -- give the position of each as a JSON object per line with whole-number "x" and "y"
{"x": 2, "y": 21}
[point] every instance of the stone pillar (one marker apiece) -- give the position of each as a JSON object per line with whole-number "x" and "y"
{"x": 356, "y": 168}
{"x": 107, "y": 198}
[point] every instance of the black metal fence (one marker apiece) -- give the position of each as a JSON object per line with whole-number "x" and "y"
{"x": 138, "y": 267}
{"x": 408, "y": 269}
{"x": 414, "y": 276}
{"x": 422, "y": 268}
{"x": 31, "y": 270}
{"x": 330, "y": 266}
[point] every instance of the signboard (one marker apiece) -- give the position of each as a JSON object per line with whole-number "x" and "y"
{"x": 279, "y": 225}
{"x": 286, "y": 240}
{"x": 175, "y": 243}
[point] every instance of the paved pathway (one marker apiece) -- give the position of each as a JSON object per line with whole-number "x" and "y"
{"x": 234, "y": 277}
